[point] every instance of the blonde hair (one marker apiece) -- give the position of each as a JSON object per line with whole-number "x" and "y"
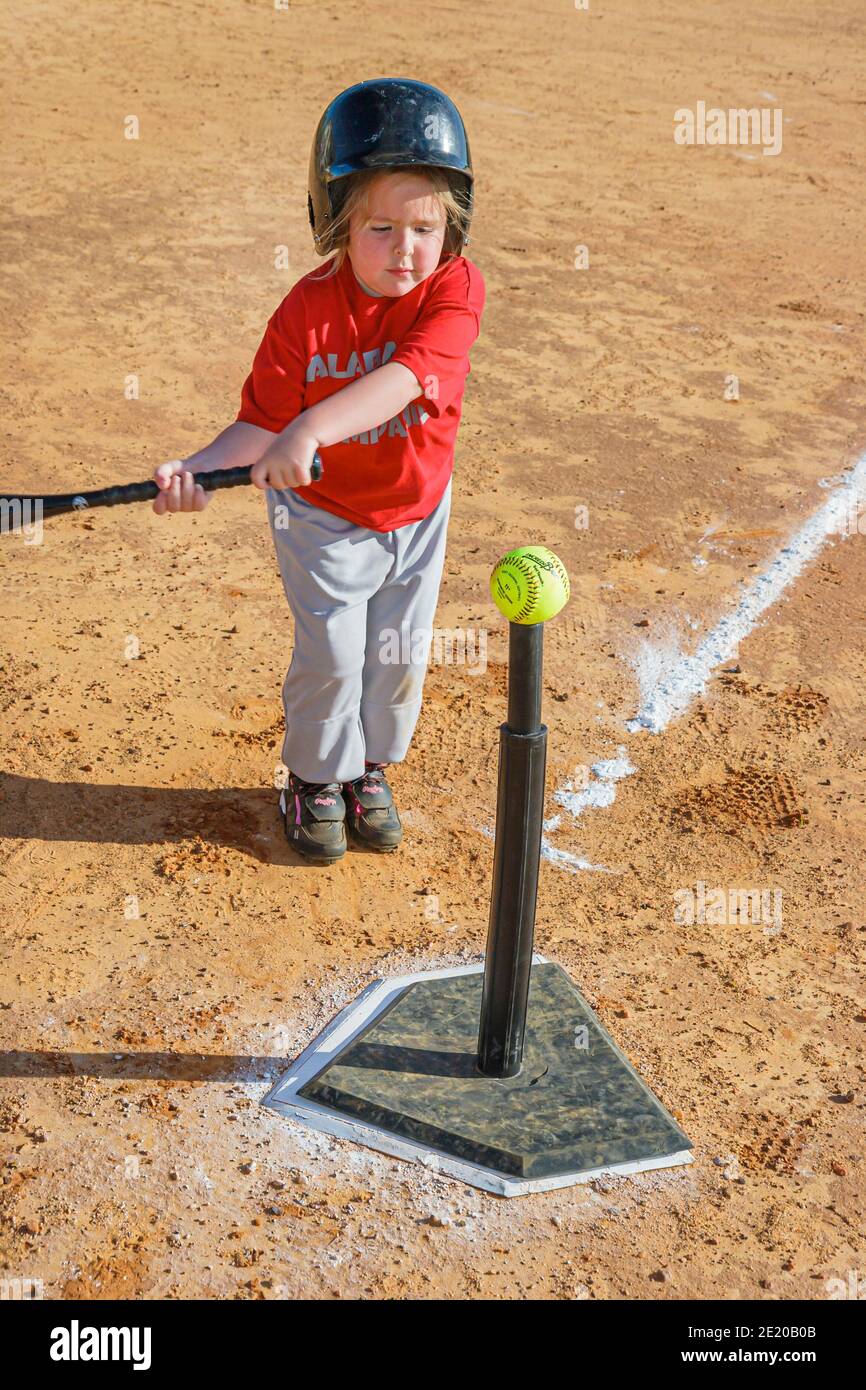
{"x": 357, "y": 199}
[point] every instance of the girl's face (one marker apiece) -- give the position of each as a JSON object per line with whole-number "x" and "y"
{"x": 403, "y": 231}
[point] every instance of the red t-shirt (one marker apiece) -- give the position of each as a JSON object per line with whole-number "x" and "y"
{"x": 325, "y": 334}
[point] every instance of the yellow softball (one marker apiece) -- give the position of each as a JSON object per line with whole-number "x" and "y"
{"x": 530, "y": 585}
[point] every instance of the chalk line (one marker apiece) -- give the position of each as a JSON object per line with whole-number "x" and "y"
{"x": 667, "y": 693}
{"x": 670, "y": 680}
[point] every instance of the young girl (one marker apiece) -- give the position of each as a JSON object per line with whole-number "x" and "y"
{"x": 365, "y": 363}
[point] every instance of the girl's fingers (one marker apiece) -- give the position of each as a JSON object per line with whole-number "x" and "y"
{"x": 181, "y": 493}
{"x": 166, "y": 501}
{"x": 172, "y": 494}
{"x": 259, "y": 474}
{"x": 164, "y": 477}
{"x": 166, "y": 471}
{"x": 280, "y": 475}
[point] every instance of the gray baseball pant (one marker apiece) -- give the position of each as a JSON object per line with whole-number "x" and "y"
{"x": 363, "y": 603}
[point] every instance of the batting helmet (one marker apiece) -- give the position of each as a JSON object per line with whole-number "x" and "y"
{"x": 386, "y": 123}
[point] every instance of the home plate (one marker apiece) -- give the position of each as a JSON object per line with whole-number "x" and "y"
{"x": 397, "y": 1071}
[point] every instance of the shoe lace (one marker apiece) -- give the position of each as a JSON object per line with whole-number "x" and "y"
{"x": 375, "y": 774}
{"x": 305, "y": 787}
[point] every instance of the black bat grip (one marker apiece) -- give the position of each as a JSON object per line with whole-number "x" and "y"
{"x": 235, "y": 477}
{"x": 140, "y": 492}
{"x": 223, "y": 477}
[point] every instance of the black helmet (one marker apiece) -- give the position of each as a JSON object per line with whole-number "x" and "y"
{"x": 387, "y": 123}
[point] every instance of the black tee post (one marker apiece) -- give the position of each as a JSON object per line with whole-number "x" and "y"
{"x": 519, "y": 813}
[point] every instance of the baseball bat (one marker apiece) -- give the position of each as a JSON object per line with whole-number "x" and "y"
{"x": 132, "y": 492}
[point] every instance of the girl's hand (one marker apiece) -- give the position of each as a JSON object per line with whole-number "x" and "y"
{"x": 179, "y": 492}
{"x": 286, "y": 463}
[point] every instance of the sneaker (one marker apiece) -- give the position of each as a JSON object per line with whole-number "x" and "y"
{"x": 314, "y": 816}
{"x": 370, "y": 811}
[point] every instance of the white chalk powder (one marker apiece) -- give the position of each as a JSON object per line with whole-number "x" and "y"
{"x": 670, "y": 679}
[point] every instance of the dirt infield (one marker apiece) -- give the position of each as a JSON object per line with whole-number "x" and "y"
{"x": 665, "y": 419}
